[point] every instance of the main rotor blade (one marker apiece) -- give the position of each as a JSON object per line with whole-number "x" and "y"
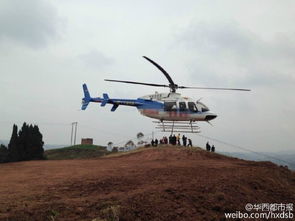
{"x": 214, "y": 88}
{"x": 161, "y": 69}
{"x": 135, "y": 82}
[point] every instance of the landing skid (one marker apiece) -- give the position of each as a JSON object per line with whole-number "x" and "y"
{"x": 177, "y": 126}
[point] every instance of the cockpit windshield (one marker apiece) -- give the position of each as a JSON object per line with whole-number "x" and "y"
{"x": 203, "y": 107}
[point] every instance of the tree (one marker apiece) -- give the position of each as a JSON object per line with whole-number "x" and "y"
{"x": 129, "y": 143}
{"x": 139, "y": 135}
{"x": 27, "y": 144}
{"x": 14, "y": 152}
{"x": 3, "y": 154}
{"x": 36, "y": 144}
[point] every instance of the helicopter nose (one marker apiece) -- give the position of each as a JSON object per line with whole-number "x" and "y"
{"x": 210, "y": 117}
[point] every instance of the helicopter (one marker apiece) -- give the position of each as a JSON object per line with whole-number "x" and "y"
{"x": 173, "y": 112}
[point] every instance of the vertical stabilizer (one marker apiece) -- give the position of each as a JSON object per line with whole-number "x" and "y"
{"x": 86, "y": 99}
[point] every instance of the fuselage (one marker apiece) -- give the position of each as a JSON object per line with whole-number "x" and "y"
{"x": 174, "y": 107}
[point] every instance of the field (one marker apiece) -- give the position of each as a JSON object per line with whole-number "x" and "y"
{"x": 166, "y": 183}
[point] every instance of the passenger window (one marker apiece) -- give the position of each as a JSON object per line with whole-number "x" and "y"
{"x": 169, "y": 106}
{"x": 192, "y": 107}
{"x": 182, "y": 106}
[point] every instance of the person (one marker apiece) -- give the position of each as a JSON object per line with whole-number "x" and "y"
{"x": 212, "y": 148}
{"x": 170, "y": 139}
{"x": 208, "y": 147}
{"x": 153, "y": 142}
{"x": 184, "y": 138}
{"x": 165, "y": 140}
{"x": 156, "y": 142}
{"x": 178, "y": 139}
{"x": 174, "y": 139}
{"x": 190, "y": 144}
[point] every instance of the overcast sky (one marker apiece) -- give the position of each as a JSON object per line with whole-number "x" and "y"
{"x": 49, "y": 48}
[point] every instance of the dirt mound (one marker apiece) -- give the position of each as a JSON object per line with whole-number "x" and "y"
{"x": 148, "y": 184}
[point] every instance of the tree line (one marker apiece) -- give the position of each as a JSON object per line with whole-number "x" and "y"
{"x": 25, "y": 144}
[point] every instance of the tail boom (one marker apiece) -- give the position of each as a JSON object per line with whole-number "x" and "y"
{"x": 106, "y": 100}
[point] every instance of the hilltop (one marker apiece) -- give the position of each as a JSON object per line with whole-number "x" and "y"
{"x": 167, "y": 183}
{"x": 76, "y": 152}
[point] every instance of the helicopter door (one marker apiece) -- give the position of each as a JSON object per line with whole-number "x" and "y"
{"x": 170, "y": 106}
{"x": 182, "y": 106}
{"x": 192, "y": 107}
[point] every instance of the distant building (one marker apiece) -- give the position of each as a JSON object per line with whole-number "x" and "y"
{"x": 87, "y": 141}
{"x": 110, "y": 146}
{"x": 128, "y": 146}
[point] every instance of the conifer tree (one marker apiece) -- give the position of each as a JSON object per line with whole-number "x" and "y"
{"x": 13, "y": 151}
{"x": 37, "y": 143}
{"x": 27, "y": 144}
{"x": 3, "y": 154}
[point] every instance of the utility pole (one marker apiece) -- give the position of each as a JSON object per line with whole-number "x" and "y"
{"x": 74, "y": 133}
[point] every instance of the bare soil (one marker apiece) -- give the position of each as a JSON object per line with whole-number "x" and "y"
{"x": 164, "y": 183}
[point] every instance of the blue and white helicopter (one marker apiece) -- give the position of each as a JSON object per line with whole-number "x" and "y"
{"x": 173, "y": 112}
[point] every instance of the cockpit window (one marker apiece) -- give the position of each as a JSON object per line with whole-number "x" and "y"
{"x": 182, "y": 106}
{"x": 204, "y": 108}
{"x": 169, "y": 106}
{"x": 192, "y": 107}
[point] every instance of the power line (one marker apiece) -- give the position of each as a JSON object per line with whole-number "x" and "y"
{"x": 243, "y": 148}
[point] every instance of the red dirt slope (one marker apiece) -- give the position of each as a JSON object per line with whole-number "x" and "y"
{"x": 152, "y": 184}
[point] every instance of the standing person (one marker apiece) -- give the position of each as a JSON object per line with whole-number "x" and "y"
{"x": 178, "y": 139}
{"x": 184, "y": 138}
{"x": 212, "y": 148}
{"x": 156, "y": 142}
{"x": 190, "y": 143}
{"x": 208, "y": 147}
{"x": 170, "y": 139}
{"x": 174, "y": 139}
{"x": 153, "y": 142}
{"x": 165, "y": 140}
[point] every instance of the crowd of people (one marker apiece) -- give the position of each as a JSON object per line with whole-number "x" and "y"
{"x": 209, "y": 147}
{"x": 173, "y": 140}
{"x": 180, "y": 141}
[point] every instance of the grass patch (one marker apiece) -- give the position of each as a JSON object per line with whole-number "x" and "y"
{"x": 76, "y": 152}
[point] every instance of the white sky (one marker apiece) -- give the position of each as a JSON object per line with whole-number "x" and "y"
{"x": 49, "y": 48}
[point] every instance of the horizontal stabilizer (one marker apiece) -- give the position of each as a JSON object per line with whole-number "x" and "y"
{"x": 105, "y": 100}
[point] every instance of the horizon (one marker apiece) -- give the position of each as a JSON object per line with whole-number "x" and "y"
{"x": 233, "y": 150}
